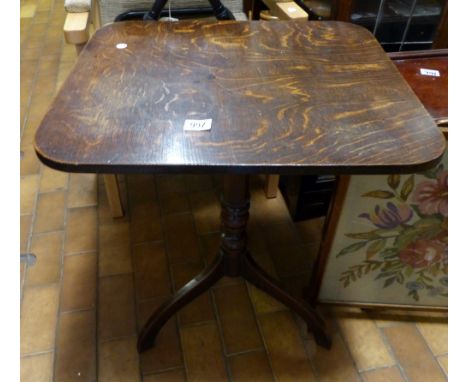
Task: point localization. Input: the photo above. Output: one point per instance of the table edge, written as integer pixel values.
(297, 169)
(58, 164)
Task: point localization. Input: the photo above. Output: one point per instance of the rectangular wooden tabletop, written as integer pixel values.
(283, 97)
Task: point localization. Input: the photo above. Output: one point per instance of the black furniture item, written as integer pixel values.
(307, 196)
(217, 8)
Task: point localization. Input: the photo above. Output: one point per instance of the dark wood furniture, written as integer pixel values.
(433, 93)
(308, 196)
(284, 97)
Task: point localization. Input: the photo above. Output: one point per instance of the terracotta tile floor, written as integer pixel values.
(96, 279)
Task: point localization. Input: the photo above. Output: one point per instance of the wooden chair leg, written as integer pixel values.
(271, 186)
(113, 195)
(76, 28)
(96, 14)
(285, 10)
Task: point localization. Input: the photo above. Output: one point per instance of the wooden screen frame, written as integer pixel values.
(318, 271)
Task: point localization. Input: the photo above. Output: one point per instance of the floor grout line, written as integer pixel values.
(346, 345)
(34, 354)
(136, 302)
(434, 357)
(162, 371)
(304, 344)
(61, 277)
(392, 352)
(260, 332)
(96, 280)
(253, 350)
(221, 334)
(31, 231)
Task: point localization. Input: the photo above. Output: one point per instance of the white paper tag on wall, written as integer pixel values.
(197, 124)
(430, 72)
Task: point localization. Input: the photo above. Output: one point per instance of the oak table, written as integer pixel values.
(286, 97)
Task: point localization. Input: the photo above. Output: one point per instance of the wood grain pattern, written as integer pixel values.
(432, 91)
(285, 97)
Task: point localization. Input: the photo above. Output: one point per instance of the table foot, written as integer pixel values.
(262, 280)
(233, 260)
(183, 296)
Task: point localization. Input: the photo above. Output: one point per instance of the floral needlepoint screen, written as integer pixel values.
(391, 241)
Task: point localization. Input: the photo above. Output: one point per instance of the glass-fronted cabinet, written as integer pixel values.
(399, 25)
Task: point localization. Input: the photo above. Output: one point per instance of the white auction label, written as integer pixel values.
(430, 72)
(197, 124)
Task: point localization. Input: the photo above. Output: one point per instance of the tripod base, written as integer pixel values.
(233, 260)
